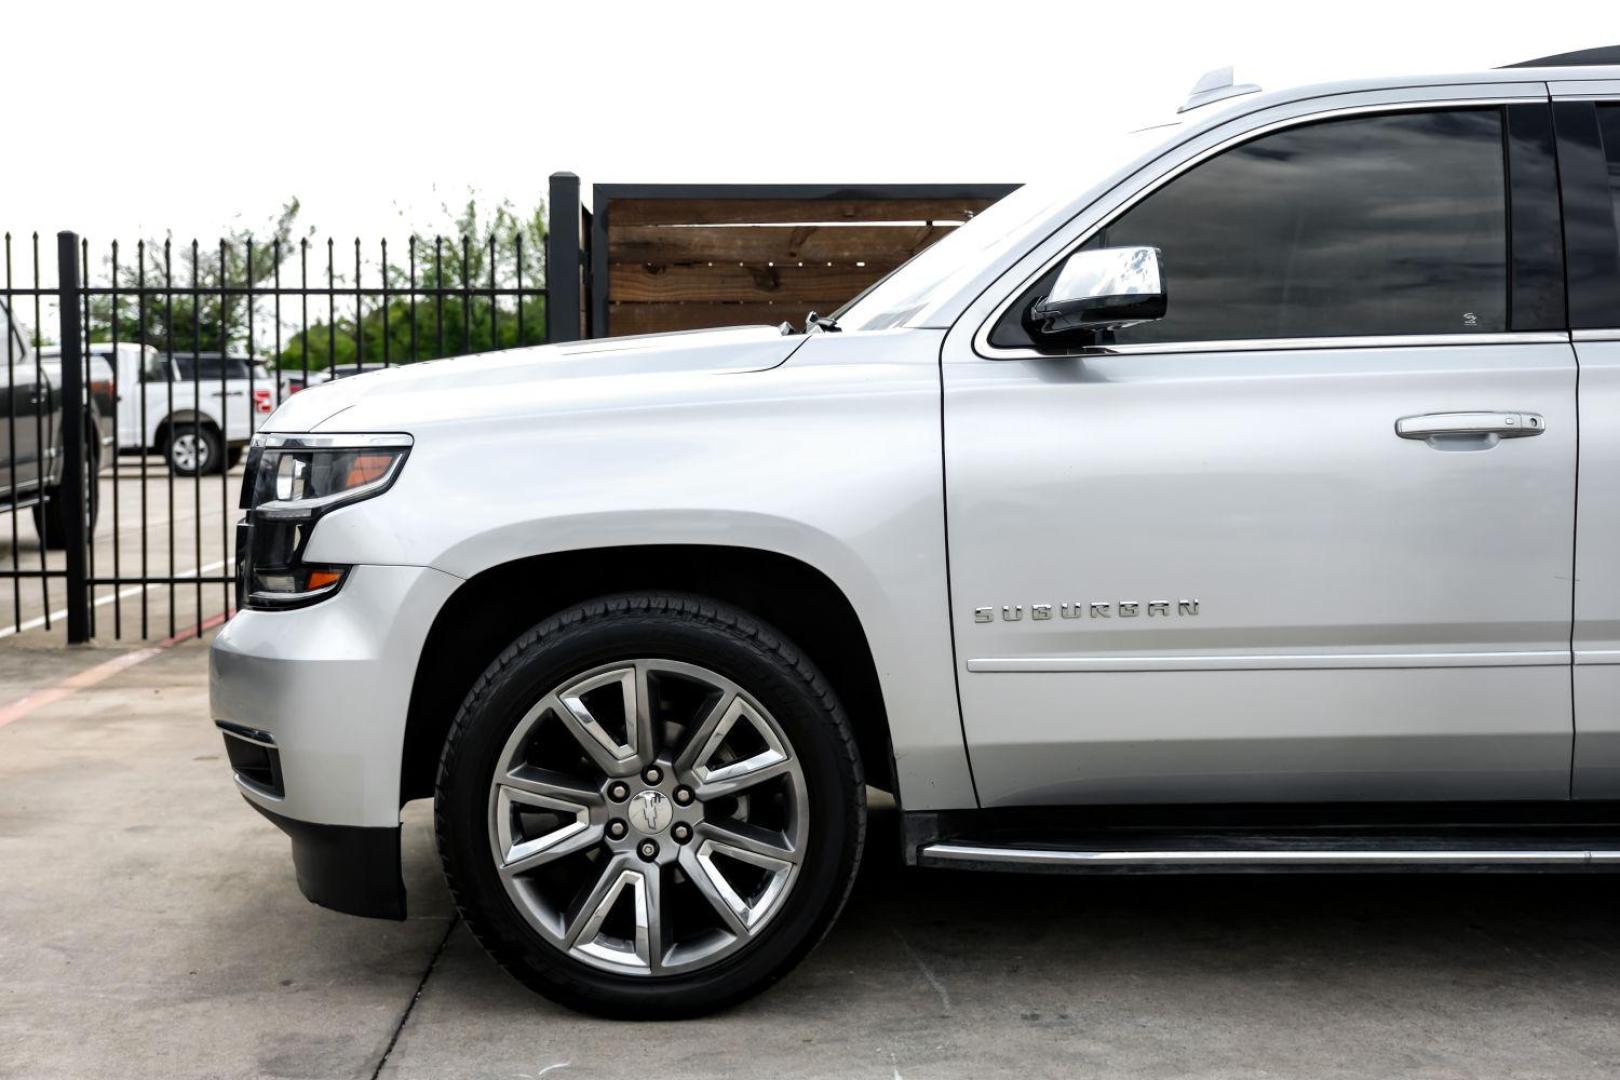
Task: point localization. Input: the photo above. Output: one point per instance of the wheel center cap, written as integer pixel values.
(651, 811)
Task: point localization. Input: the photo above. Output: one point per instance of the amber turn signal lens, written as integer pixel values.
(320, 579)
(367, 467)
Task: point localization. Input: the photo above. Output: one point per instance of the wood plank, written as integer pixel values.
(665, 244)
(776, 211)
(663, 318)
(629, 282)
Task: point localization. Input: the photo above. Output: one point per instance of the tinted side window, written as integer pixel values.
(1386, 224)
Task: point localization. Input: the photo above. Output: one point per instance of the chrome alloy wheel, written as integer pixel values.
(648, 817)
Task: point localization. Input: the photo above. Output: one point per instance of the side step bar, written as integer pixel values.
(1236, 859)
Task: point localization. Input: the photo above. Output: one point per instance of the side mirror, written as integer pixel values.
(1103, 289)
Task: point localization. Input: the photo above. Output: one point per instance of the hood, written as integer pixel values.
(517, 379)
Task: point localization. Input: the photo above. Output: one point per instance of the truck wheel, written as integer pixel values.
(650, 806)
(194, 451)
(50, 516)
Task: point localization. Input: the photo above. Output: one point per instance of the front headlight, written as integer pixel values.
(289, 483)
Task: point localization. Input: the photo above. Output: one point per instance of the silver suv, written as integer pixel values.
(1214, 510)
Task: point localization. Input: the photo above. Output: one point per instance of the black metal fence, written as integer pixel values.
(123, 438)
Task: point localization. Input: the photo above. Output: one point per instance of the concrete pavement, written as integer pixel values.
(150, 927)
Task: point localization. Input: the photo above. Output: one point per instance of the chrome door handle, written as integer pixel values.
(1505, 425)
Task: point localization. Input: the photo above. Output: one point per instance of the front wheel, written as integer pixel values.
(650, 807)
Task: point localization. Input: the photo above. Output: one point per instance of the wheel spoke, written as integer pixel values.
(650, 931)
(716, 890)
(639, 719)
(542, 787)
(738, 776)
(703, 741)
(587, 918)
(571, 838)
(606, 752)
(765, 848)
(645, 886)
(716, 781)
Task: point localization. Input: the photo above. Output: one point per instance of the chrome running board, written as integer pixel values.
(988, 856)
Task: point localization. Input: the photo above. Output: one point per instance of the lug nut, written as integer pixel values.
(683, 795)
(681, 832)
(616, 829)
(618, 791)
(653, 775)
(648, 850)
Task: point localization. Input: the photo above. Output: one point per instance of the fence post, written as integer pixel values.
(72, 493)
(562, 259)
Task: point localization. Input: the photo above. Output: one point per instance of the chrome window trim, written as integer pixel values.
(981, 337)
(1585, 89)
(1595, 335)
(1388, 341)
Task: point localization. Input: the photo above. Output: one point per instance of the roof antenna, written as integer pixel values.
(1216, 85)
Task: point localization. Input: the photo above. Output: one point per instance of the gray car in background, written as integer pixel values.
(31, 458)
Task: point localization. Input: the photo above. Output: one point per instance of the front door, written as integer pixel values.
(1212, 563)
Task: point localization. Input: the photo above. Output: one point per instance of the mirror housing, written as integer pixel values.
(1103, 289)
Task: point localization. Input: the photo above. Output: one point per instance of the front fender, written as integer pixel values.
(832, 459)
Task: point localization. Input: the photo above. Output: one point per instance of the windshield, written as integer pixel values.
(894, 299)
(929, 275)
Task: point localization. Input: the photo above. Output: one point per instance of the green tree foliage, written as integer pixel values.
(175, 318)
(420, 322)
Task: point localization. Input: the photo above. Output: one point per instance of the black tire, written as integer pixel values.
(50, 516)
(194, 450)
(233, 456)
(684, 629)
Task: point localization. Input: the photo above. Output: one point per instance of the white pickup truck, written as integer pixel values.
(197, 410)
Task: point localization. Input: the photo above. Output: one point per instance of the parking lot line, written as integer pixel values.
(38, 699)
(122, 594)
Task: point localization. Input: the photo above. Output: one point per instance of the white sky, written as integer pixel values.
(160, 115)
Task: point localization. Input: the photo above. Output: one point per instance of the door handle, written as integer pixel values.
(1504, 425)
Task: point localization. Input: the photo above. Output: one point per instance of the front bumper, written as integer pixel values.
(328, 687)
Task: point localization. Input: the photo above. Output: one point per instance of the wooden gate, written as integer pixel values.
(684, 257)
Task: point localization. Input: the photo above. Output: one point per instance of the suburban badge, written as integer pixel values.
(1095, 609)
